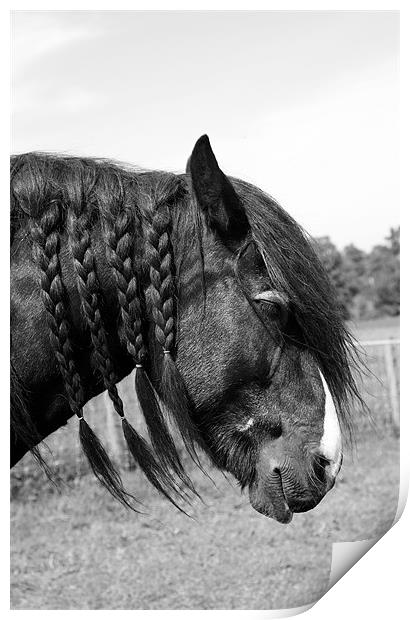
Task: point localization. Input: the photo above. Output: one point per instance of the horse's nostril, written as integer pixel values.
(323, 461)
(325, 469)
(320, 460)
(321, 467)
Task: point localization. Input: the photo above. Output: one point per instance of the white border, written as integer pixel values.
(377, 586)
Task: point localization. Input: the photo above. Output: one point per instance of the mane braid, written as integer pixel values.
(46, 245)
(159, 469)
(160, 304)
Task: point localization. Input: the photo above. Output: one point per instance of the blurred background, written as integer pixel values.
(304, 105)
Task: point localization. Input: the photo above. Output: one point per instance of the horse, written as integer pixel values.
(208, 289)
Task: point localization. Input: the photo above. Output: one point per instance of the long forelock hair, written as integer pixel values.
(54, 195)
(296, 271)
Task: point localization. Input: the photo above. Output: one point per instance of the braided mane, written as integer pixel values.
(53, 197)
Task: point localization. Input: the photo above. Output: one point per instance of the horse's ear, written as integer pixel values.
(216, 195)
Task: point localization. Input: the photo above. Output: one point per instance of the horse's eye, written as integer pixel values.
(275, 302)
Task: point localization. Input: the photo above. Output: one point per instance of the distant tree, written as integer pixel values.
(355, 267)
(394, 241)
(332, 261)
(367, 284)
(384, 271)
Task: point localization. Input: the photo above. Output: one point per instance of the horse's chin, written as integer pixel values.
(273, 505)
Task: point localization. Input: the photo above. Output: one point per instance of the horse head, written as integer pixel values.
(212, 292)
(254, 353)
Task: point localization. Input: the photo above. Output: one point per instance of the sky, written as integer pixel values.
(302, 104)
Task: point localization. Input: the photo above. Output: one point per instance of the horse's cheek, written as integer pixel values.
(201, 355)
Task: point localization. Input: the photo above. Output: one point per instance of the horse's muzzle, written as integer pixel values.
(283, 487)
(269, 499)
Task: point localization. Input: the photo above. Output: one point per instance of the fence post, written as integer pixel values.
(112, 426)
(392, 383)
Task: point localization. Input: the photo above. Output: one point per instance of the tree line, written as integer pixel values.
(367, 283)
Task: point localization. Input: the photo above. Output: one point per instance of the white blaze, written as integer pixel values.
(331, 442)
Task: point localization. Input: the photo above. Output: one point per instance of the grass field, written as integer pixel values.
(78, 549)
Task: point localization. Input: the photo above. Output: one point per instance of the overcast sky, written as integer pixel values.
(303, 104)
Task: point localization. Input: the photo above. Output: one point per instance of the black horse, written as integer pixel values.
(210, 290)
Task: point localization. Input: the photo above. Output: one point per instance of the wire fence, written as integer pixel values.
(380, 385)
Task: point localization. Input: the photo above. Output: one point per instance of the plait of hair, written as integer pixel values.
(89, 292)
(46, 245)
(45, 234)
(161, 308)
(88, 288)
(161, 467)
